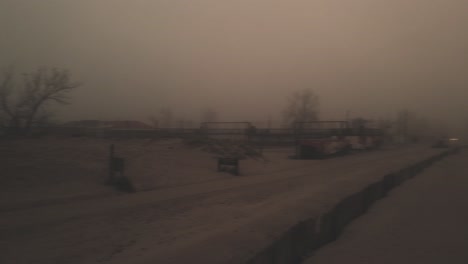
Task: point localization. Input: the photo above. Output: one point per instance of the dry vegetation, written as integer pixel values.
(51, 169)
(226, 148)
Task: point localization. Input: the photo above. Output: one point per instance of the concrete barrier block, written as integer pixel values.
(400, 177)
(348, 209)
(283, 250)
(388, 182)
(307, 236)
(327, 232)
(372, 193)
(264, 257)
(292, 247)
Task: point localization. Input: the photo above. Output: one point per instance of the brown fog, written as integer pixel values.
(244, 57)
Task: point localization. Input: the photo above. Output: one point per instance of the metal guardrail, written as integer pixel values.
(251, 133)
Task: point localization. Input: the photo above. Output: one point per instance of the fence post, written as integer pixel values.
(111, 169)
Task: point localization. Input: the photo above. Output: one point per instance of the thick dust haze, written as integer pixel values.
(244, 57)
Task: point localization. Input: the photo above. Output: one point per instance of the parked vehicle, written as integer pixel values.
(322, 147)
(446, 143)
(326, 138)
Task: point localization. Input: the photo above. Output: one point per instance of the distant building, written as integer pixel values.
(129, 124)
(125, 124)
(84, 123)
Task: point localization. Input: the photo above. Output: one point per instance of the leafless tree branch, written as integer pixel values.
(302, 107)
(39, 87)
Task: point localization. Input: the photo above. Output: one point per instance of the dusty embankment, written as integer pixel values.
(311, 233)
(225, 220)
(423, 221)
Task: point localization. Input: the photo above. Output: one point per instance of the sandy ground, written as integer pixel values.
(44, 171)
(56, 209)
(423, 221)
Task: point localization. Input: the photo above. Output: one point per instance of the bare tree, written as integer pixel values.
(164, 119)
(209, 115)
(24, 107)
(303, 106)
(385, 123)
(181, 123)
(402, 124)
(269, 122)
(358, 123)
(410, 127)
(154, 121)
(167, 117)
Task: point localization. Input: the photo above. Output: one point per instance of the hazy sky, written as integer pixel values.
(243, 57)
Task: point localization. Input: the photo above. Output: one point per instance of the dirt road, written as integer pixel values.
(218, 221)
(423, 221)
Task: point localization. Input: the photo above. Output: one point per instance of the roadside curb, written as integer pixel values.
(305, 237)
